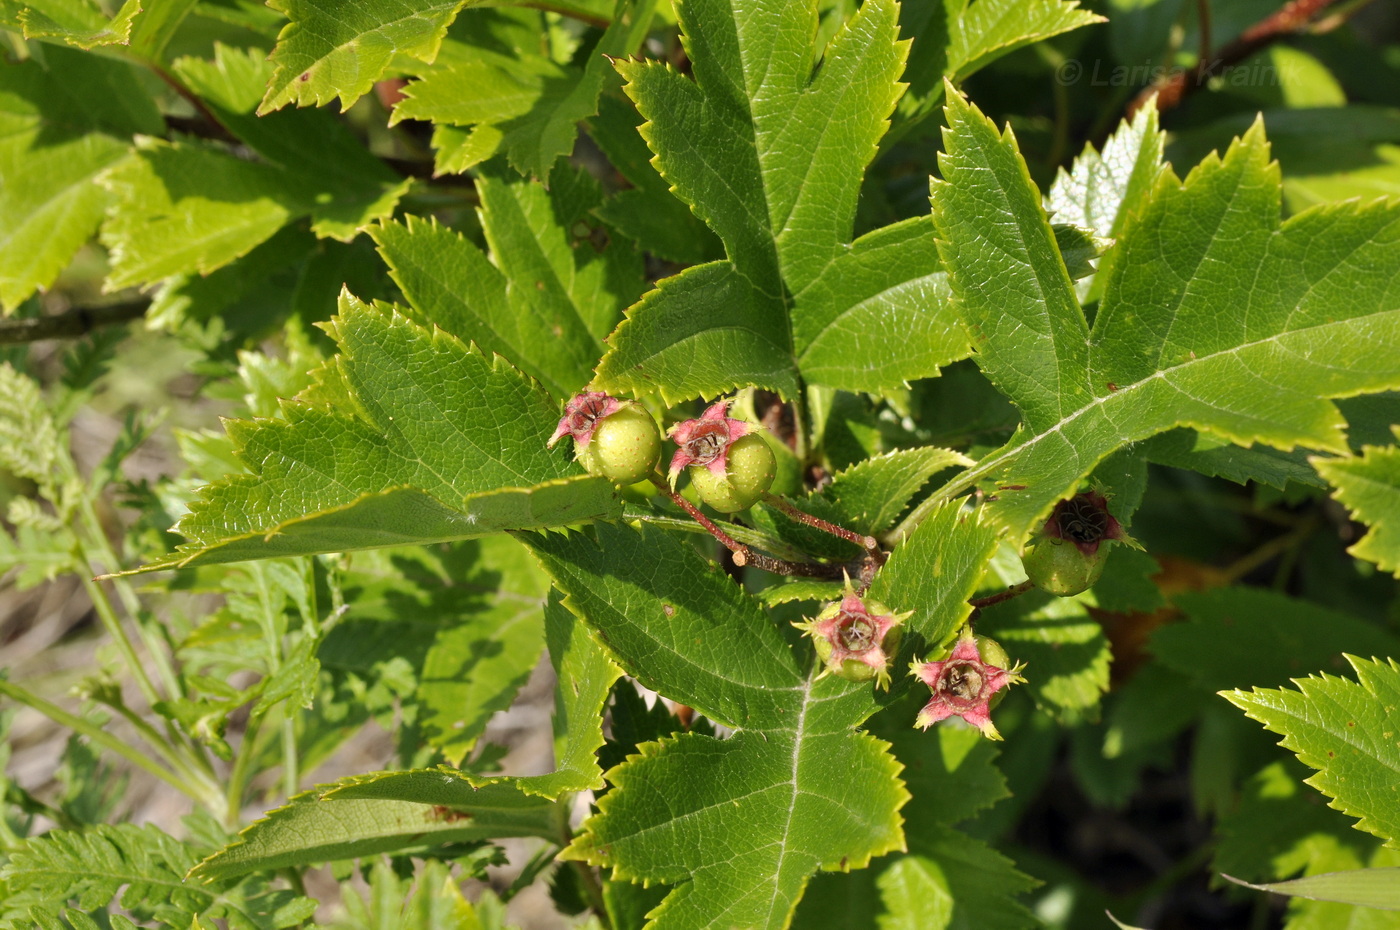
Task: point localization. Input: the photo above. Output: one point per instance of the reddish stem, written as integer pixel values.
(868, 543)
(1173, 87)
(743, 555)
(1016, 590)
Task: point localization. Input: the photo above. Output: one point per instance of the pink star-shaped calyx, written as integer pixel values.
(851, 630)
(706, 440)
(581, 416)
(963, 685)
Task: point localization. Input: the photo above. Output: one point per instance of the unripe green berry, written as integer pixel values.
(625, 446)
(992, 654)
(749, 470)
(1058, 567)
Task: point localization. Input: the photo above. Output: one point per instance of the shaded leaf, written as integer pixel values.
(1345, 730)
(1369, 486)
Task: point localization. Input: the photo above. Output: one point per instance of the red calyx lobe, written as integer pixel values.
(581, 416)
(706, 440)
(963, 686)
(853, 631)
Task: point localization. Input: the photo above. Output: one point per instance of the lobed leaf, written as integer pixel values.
(55, 139)
(78, 23)
(347, 187)
(191, 207)
(1369, 486)
(768, 148)
(544, 300)
(1233, 333)
(795, 789)
(1347, 731)
(331, 49)
(428, 440)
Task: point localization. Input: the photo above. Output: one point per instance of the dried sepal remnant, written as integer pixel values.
(1084, 520)
(966, 683)
(706, 440)
(616, 439)
(1067, 555)
(856, 639)
(581, 416)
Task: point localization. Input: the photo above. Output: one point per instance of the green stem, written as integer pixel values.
(290, 774)
(238, 777)
(113, 625)
(188, 782)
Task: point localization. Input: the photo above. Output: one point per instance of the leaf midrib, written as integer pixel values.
(1124, 392)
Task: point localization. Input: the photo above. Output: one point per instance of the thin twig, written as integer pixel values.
(1016, 590)
(1173, 87)
(71, 324)
(743, 555)
(868, 543)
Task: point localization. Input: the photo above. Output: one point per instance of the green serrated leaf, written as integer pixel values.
(775, 170)
(78, 23)
(1100, 189)
(545, 300)
(1347, 731)
(865, 498)
(1326, 153)
(989, 29)
(331, 49)
(56, 136)
(526, 104)
(190, 207)
(433, 441)
(793, 790)
(1238, 353)
(1369, 486)
(585, 676)
(935, 571)
(474, 668)
(369, 814)
(955, 39)
(347, 187)
(1010, 283)
(1377, 888)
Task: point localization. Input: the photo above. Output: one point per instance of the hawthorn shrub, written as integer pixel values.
(951, 410)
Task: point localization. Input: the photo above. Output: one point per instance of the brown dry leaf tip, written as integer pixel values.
(963, 686)
(706, 440)
(1085, 521)
(581, 416)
